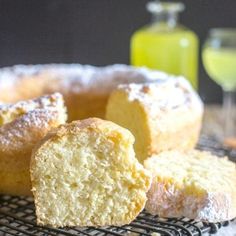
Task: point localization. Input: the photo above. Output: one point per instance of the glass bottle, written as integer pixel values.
(166, 45)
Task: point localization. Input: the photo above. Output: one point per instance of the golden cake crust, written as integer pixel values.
(22, 125)
(113, 183)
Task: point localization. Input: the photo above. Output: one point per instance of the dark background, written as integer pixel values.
(95, 31)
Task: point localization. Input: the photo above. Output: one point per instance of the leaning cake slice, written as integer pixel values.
(22, 125)
(194, 184)
(85, 174)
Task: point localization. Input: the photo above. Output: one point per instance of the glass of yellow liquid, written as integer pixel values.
(165, 44)
(219, 59)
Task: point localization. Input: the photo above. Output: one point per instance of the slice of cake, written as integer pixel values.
(162, 115)
(85, 174)
(194, 184)
(22, 125)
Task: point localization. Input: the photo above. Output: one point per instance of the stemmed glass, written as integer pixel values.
(219, 59)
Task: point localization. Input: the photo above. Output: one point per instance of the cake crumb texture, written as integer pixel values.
(162, 115)
(193, 184)
(85, 174)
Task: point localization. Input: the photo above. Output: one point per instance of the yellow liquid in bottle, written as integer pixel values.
(221, 66)
(174, 51)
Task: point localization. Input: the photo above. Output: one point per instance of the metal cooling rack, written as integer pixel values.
(17, 216)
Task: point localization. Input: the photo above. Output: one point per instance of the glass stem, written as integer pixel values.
(229, 113)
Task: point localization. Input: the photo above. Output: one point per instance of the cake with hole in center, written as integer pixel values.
(85, 88)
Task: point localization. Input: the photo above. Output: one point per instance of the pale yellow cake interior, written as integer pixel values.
(194, 184)
(88, 178)
(131, 115)
(161, 116)
(194, 170)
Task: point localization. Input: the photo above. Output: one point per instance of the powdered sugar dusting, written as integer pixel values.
(184, 185)
(9, 112)
(25, 120)
(163, 94)
(14, 134)
(76, 78)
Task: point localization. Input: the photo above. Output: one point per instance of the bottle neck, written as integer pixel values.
(166, 18)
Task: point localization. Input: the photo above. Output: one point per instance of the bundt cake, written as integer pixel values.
(85, 174)
(192, 184)
(22, 125)
(85, 88)
(162, 115)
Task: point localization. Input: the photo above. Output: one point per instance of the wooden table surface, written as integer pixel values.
(213, 122)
